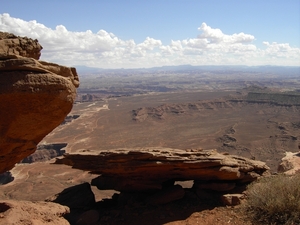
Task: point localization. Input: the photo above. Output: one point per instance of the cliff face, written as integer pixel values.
(35, 97)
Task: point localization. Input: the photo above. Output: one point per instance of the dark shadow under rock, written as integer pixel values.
(76, 197)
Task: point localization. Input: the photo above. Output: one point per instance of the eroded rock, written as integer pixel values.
(149, 169)
(290, 164)
(11, 44)
(232, 199)
(35, 97)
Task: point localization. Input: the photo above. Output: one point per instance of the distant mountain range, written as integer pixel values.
(291, 70)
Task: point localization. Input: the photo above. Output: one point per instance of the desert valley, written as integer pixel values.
(124, 124)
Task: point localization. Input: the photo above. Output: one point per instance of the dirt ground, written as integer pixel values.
(261, 131)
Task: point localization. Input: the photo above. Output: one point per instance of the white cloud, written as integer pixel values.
(104, 49)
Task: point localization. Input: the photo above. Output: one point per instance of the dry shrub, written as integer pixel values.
(274, 200)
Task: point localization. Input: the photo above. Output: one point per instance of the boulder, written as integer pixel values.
(232, 199)
(11, 44)
(35, 97)
(150, 169)
(290, 164)
(25, 212)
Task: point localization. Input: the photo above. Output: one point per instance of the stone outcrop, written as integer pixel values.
(290, 164)
(11, 44)
(35, 97)
(24, 212)
(156, 168)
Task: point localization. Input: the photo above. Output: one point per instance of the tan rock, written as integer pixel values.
(290, 164)
(232, 199)
(149, 169)
(24, 212)
(11, 44)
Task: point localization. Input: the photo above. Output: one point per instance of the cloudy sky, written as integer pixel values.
(137, 33)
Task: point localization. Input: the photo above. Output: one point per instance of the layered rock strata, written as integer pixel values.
(35, 97)
(46, 152)
(156, 168)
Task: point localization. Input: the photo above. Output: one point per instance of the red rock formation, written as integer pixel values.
(152, 169)
(35, 97)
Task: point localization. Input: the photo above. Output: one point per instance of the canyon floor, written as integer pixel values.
(186, 120)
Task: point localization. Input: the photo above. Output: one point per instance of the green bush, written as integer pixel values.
(274, 200)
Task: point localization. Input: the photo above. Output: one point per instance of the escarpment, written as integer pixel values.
(35, 97)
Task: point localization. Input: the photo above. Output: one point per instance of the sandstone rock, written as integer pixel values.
(11, 44)
(150, 169)
(75, 197)
(24, 212)
(290, 164)
(232, 199)
(35, 97)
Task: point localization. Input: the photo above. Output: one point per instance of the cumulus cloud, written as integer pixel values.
(104, 49)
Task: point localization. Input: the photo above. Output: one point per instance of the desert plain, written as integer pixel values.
(169, 109)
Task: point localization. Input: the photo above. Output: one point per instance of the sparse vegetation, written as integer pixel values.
(275, 200)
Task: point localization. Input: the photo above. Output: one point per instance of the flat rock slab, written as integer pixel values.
(152, 168)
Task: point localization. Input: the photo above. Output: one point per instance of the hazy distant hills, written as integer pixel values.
(288, 70)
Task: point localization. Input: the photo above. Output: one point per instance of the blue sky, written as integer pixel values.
(132, 33)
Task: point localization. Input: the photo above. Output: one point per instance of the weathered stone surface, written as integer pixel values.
(35, 97)
(24, 212)
(150, 169)
(290, 164)
(232, 199)
(11, 44)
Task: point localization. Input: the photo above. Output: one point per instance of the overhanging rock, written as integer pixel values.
(153, 168)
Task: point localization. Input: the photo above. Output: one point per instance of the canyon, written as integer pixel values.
(163, 152)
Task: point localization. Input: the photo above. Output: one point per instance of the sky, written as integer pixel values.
(142, 34)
